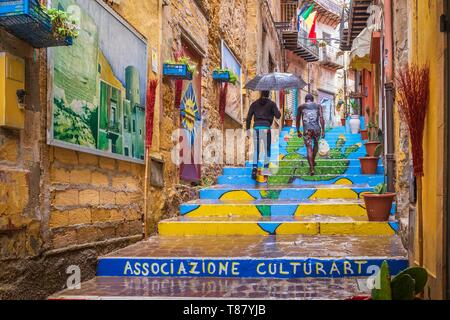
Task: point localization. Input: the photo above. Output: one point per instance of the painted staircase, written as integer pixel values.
(293, 237)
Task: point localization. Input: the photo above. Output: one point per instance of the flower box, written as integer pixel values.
(221, 76)
(27, 21)
(177, 71)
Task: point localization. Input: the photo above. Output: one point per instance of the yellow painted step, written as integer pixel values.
(274, 226)
(270, 208)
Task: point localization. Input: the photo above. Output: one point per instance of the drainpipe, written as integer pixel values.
(389, 95)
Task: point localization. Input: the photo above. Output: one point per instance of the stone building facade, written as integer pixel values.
(60, 207)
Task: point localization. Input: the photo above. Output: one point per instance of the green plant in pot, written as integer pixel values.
(232, 75)
(406, 286)
(62, 26)
(184, 60)
(379, 203)
(375, 134)
(288, 118)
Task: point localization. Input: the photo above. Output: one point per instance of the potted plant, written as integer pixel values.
(182, 68)
(62, 26)
(355, 122)
(365, 132)
(33, 23)
(225, 75)
(342, 112)
(288, 118)
(379, 203)
(375, 137)
(406, 286)
(369, 165)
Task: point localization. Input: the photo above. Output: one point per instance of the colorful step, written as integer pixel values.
(278, 257)
(317, 225)
(299, 170)
(288, 192)
(273, 208)
(295, 163)
(371, 180)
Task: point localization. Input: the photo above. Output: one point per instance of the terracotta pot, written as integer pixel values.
(369, 165)
(344, 122)
(288, 123)
(365, 135)
(371, 147)
(379, 206)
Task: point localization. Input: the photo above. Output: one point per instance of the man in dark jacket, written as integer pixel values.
(310, 115)
(263, 111)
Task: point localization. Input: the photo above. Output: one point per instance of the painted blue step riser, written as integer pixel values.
(372, 181)
(282, 212)
(286, 194)
(352, 162)
(246, 268)
(248, 171)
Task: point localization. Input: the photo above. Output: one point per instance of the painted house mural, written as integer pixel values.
(99, 85)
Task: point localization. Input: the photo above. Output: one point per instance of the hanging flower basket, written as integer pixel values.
(221, 76)
(225, 76)
(177, 71)
(27, 20)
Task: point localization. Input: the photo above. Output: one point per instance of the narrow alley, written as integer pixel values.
(224, 150)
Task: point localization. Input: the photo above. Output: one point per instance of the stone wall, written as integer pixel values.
(402, 143)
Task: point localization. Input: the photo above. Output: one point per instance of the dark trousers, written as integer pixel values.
(265, 136)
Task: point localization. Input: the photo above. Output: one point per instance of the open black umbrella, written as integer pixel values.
(275, 82)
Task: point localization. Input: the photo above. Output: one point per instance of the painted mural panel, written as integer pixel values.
(190, 116)
(99, 85)
(234, 98)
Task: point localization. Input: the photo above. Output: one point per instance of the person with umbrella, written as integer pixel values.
(262, 111)
(313, 128)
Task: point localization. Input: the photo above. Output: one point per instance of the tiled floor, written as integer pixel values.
(266, 246)
(215, 288)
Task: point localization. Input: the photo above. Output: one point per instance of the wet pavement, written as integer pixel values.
(216, 288)
(266, 247)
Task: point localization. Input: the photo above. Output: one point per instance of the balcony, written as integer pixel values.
(354, 20)
(330, 58)
(292, 39)
(328, 10)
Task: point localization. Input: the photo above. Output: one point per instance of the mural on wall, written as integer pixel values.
(190, 115)
(99, 85)
(234, 98)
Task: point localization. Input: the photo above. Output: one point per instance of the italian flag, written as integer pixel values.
(312, 32)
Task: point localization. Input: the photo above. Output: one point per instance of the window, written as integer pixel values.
(326, 37)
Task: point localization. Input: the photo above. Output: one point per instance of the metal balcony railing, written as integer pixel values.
(289, 11)
(307, 43)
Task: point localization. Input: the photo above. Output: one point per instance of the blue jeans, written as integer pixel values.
(264, 135)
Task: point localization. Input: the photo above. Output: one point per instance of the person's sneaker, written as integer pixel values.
(254, 173)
